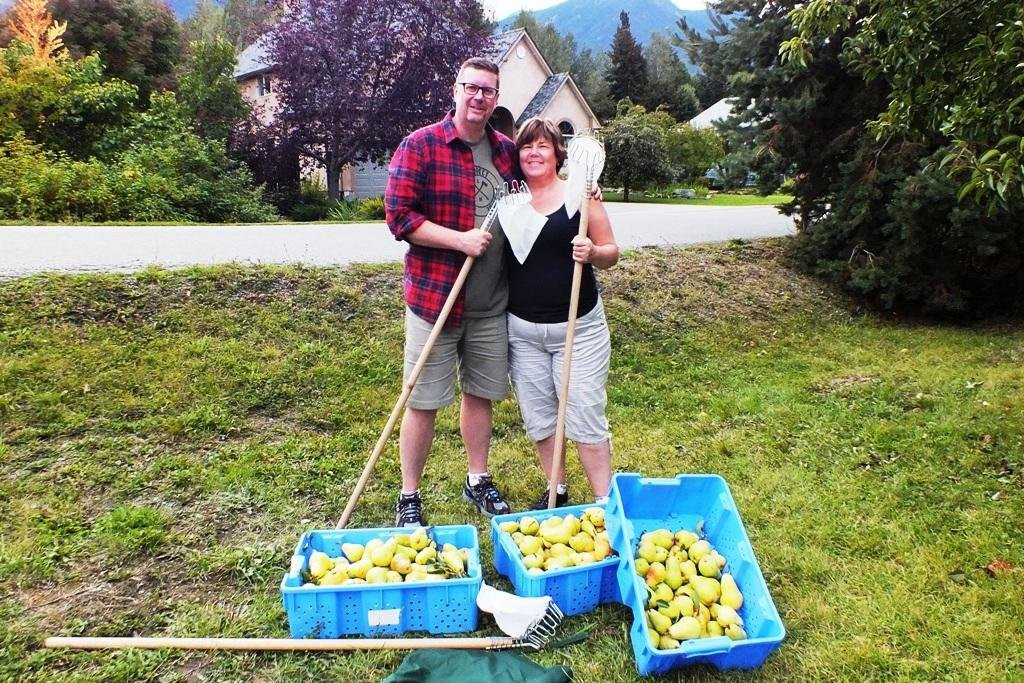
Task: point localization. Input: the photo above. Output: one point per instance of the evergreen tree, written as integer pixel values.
(668, 80)
(627, 69)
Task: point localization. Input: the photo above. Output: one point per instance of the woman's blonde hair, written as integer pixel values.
(536, 127)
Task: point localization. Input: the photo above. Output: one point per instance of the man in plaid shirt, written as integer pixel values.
(442, 181)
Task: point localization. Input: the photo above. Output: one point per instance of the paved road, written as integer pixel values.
(25, 250)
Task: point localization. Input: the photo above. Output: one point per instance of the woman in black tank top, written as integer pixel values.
(540, 276)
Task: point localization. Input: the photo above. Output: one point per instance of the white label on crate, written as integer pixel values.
(384, 617)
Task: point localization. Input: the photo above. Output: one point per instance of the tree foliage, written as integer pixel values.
(634, 143)
(77, 146)
(668, 81)
(692, 151)
(355, 77)
(950, 69)
(873, 213)
(208, 89)
(137, 40)
(30, 22)
(627, 68)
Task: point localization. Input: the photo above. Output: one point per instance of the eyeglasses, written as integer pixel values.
(472, 89)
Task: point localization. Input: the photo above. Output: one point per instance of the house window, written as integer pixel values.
(567, 128)
(263, 84)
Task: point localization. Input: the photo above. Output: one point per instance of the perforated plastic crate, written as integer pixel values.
(637, 505)
(383, 609)
(574, 589)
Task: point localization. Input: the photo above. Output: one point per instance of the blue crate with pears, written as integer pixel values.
(712, 607)
(383, 582)
(576, 579)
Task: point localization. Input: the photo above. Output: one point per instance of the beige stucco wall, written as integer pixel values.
(566, 106)
(521, 78)
(263, 105)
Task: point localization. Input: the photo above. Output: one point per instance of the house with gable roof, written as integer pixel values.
(528, 87)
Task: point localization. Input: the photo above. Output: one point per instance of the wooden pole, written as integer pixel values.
(570, 337)
(277, 644)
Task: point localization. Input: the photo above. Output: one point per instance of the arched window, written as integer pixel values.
(567, 128)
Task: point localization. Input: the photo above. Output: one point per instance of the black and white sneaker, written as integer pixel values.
(486, 497)
(561, 500)
(409, 511)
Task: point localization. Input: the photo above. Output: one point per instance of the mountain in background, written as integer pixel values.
(593, 22)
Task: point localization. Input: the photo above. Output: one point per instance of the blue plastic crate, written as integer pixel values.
(637, 505)
(574, 589)
(385, 609)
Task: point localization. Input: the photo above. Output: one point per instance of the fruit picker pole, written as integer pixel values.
(413, 376)
(557, 457)
(281, 644)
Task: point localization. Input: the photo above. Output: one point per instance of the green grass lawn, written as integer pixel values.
(165, 438)
(715, 200)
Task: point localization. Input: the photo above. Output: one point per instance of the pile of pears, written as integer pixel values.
(688, 595)
(402, 558)
(560, 542)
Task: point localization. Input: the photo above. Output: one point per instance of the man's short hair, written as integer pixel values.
(481, 63)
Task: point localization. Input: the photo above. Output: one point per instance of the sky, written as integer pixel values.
(503, 8)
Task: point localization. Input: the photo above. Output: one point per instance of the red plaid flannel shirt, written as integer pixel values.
(431, 177)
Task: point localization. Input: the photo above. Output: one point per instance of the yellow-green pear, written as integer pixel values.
(533, 560)
(359, 568)
(715, 629)
(689, 569)
(684, 603)
(698, 550)
(587, 527)
(708, 566)
(735, 632)
(686, 538)
(685, 629)
(559, 550)
(419, 539)
(376, 575)
(596, 515)
(401, 564)
(727, 616)
(655, 574)
(660, 554)
(661, 538)
(573, 523)
(319, 564)
(602, 548)
(582, 542)
(464, 554)
(509, 527)
(719, 559)
(708, 590)
(415, 576)
(449, 547)
(673, 572)
(381, 555)
(671, 610)
(530, 544)
(426, 555)
(353, 581)
(529, 525)
(557, 562)
(652, 634)
(731, 596)
(659, 593)
(647, 551)
(408, 551)
(552, 522)
(585, 558)
(403, 540)
(394, 577)
(353, 551)
(686, 589)
(373, 544)
(454, 564)
(642, 566)
(703, 616)
(335, 577)
(517, 536)
(659, 621)
(668, 643)
(560, 533)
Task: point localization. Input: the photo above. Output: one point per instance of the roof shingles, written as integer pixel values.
(543, 97)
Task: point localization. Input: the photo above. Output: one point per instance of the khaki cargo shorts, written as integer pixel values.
(478, 348)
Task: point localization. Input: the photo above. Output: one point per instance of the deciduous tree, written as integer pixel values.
(354, 77)
(634, 143)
